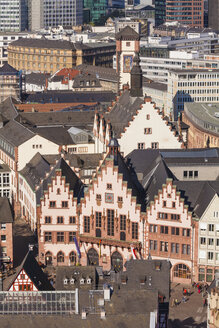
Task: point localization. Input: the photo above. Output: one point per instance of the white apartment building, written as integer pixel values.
(157, 69)
(191, 86)
(5, 40)
(208, 249)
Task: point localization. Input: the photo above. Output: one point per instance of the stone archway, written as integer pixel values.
(92, 257)
(117, 261)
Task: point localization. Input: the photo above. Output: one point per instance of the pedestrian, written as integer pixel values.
(199, 290)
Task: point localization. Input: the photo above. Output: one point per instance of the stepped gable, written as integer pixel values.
(155, 182)
(129, 176)
(35, 170)
(71, 178)
(34, 272)
(123, 111)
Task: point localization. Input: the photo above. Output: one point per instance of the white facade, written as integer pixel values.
(148, 130)
(208, 253)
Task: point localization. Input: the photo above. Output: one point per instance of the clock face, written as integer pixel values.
(109, 197)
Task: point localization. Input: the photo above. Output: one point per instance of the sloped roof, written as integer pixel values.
(37, 78)
(43, 43)
(7, 108)
(122, 112)
(127, 33)
(15, 133)
(7, 69)
(6, 212)
(34, 272)
(209, 190)
(35, 170)
(71, 178)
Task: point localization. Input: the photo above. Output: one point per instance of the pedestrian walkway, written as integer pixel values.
(191, 313)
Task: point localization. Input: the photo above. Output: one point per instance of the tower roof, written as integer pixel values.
(128, 34)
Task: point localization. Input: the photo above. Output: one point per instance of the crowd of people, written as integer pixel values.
(201, 289)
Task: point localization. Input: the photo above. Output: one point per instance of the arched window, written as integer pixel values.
(48, 258)
(117, 261)
(58, 191)
(92, 257)
(60, 257)
(72, 258)
(182, 271)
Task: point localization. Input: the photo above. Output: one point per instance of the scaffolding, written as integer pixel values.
(55, 302)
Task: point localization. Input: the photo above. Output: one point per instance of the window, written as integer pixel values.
(48, 237)
(190, 174)
(195, 174)
(217, 242)
(60, 237)
(203, 241)
(123, 222)
(154, 145)
(73, 258)
(86, 224)
(173, 248)
(58, 191)
(64, 204)
(120, 199)
(164, 203)
(110, 222)
(173, 204)
(182, 271)
(163, 246)
(60, 219)
(185, 174)
(164, 229)
(109, 186)
(211, 227)
(98, 197)
(134, 230)
(141, 145)
(52, 204)
(210, 256)
(47, 219)
(3, 237)
(128, 44)
(22, 276)
(162, 216)
(3, 226)
(60, 257)
(147, 130)
(153, 228)
(175, 217)
(71, 236)
(148, 117)
(98, 219)
(72, 220)
(153, 245)
(210, 241)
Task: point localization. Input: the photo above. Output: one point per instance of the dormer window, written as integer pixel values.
(65, 281)
(82, 281)
(109, 186)
(72, 281)
(89, 280)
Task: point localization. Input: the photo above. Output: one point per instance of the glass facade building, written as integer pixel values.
(98, 9)
(13, 15)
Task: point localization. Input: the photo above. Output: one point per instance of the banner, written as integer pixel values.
(77, 247)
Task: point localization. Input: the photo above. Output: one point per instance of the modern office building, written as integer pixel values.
(54, 13)
(189, 13)
(98, 9)
(13, 15)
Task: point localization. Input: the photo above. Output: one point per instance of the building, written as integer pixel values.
(208, 236)
(6, 232)
(160, 12)
(54, 13)
(192, 15)
(13, 16)
(11, 82)
(28, 277)
(5, 39)
(199, 86)
(97, 10)
(42, 55)
(213, 9)
(203, 124)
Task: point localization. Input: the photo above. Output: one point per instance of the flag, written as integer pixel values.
(77, 247)
(133, 253)
(99, 248)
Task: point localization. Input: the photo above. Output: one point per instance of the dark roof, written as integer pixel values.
(57, 134)
(7, 69)
(71, 178)
(36, 78)
(43, 43)
(155, 85)
(127, 33)
(86, 77)
(209, 190)
(155, 272)
(35, 170)
(76, 272)
(123, 111)
(34, 272)
(103, 73)
(15, 133)
(7, 108)
(6, 212)
(70, 97)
